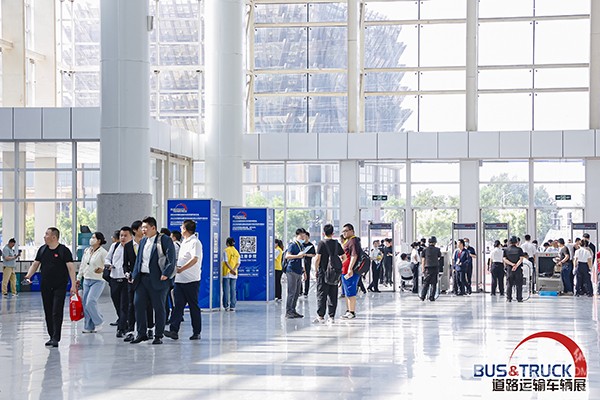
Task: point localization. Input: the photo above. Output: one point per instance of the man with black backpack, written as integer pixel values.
(329, 272)
(350, 276)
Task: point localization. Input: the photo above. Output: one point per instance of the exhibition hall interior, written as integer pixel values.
(468, 126)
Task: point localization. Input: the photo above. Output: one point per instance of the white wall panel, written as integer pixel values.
(6, 123)
(176, 140)
(333, 146)
(453, 145)
(85, 123)
(273, 147)
(303, 146)
(362, 146)
(392, 145)
(422, 145)
(484, 145)
(199, 146)
(28, 123)
(250, 147)
(56, 123)
(515, 144)
(546, 144)
(579, 143)
(163, 135)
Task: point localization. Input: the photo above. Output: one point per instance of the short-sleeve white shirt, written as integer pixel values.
(190, 248)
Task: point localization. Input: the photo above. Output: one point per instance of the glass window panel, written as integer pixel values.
(562, 41)
(391, 10)
(182, 103)
(88, 184)
(199, 172)
(279, 13)
(505, 112)
(315, 220)
(506, 43)
(87, 80)
(545, 194)
(264, 173)
(199, 191)
(391, 113)
(313, 195)
(336, 82)
(505, 8)
(178, 80)
(442, 9)
(313, 173)
(443, 80)
(389, 46)
(434, 172)
(87, 54)
(374, 173)
(440, 113)
(179, 54)
(280, 83)
(437, 195)
(556, 223)
(48, 184)
(559, 171)
(87, 215)
(561, 7)
(443, 45)
(280, 114)
(39, 216)
(505, 79)
(504, 171)
(88, 154)
(436, 223)
(391, 81)
(276, 48)
(506, 194)
(328, 47)
(555, 111)
(47, 154)
(263, 195)
(396, 195)
(328, 12)
(562, 77)
(328, 114)
(7, 152)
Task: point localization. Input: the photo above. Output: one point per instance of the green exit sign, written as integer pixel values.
(379, 197)
(562, 197)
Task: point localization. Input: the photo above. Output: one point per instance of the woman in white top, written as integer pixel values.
(583, 262)
(90, 269)
(497, 268)
(415, 260)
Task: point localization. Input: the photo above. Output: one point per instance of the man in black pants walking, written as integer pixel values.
(513, 259)
(328, 250)
(431, 265)
(376, 257)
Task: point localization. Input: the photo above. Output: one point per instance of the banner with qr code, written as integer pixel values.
(253, 230)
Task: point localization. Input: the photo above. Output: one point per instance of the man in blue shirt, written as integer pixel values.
(295, 274)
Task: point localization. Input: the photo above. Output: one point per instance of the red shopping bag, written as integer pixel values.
(76, 308)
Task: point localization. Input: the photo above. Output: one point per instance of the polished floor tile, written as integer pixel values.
(397, 348)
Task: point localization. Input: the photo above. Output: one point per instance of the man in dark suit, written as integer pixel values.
(130, 254)
(152, 274)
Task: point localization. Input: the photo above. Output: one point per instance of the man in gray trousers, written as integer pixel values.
(295, 273)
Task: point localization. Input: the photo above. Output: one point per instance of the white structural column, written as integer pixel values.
(349, 195)
(44, 186)
(225, 99)
(592, 191)
(13, 60)
(469, 207)
(471, 70)
(353, 65)
(124, 136)
(594, 67)
(13, 222)
(44, 43)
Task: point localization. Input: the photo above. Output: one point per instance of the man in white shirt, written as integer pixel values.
(119, 288)
(187, 282)
(530, 249)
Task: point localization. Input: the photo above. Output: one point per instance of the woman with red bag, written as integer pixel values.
(91, 268)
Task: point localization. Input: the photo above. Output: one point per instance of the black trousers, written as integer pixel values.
(468, 275)
(131, 311)
(278, 275)
(498, 277)
(459, 282)
(327, 296)
(146, 294)
(515, 278)
(360, 285)
(119, 293)
(53, 300)
(430, 278)
(306, 283)
(415, 281)
(375, 268)
(186, 293)
(387, 272)
(584, 280)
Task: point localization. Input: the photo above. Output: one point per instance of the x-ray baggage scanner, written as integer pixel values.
(489, 227)
(384, 230)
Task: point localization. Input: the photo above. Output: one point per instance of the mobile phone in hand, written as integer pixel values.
(26, 282)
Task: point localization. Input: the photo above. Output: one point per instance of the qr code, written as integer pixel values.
(247, 244)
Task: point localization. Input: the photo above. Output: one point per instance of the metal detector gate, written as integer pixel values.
(383, 226)
(465, 227)
(589, 227)
(492, 226)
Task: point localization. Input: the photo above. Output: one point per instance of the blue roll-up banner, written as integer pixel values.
(253, 230)
(207, 215)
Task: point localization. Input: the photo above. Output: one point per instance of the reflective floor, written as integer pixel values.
(397, 348)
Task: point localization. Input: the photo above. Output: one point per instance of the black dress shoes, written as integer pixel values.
(172, 335)
(195, 337)
(157, 340)
(129, 337)
(51, 343)
(139, 339)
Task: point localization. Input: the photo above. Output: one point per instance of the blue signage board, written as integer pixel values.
(253, 230)
(207, 215)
